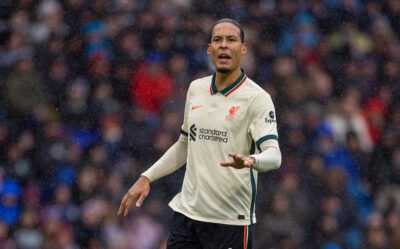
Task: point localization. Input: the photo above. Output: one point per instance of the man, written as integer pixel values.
(228, 121)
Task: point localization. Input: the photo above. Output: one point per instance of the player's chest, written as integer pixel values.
(218, 111)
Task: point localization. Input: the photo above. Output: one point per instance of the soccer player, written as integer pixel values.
(228, 135)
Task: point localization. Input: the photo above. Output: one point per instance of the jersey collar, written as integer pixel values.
(229, 89)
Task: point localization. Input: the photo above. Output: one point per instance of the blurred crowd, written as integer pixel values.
(93, 91)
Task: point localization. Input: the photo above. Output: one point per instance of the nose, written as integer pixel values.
(224, 43)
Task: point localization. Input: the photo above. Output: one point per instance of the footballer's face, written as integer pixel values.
(226, 48)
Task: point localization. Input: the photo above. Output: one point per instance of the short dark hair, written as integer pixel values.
(230, 21)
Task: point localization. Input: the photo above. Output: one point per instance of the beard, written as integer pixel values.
(223, 70)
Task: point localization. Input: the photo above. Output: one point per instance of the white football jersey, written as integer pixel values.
(236, 119)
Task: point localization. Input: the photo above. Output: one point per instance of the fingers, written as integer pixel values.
(227, 164)
(239, 161)
(236, 163)
(141, 199)
(128, 205)
(233, 155)
(125, 204)
(140, 189)
(122, 206)
(237, 157)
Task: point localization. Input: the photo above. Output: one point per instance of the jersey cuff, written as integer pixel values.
(184, 132)
(264, 138)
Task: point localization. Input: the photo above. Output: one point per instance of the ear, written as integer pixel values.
(208, 49)
(244, 48)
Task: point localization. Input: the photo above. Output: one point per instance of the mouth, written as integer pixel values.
(224, 58)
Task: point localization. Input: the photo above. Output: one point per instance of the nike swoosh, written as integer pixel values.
(196, 106)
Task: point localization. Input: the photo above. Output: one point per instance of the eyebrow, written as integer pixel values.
(228, 36)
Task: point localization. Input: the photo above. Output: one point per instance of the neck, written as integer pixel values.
(223, 80)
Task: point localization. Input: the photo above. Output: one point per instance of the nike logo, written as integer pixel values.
(195, 106)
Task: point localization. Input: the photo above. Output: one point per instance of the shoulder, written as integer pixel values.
(255, 90)
(201, 83)
(259, 98)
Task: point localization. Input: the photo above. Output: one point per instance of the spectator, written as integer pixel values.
(26, 236)
(279, 225)
(151, 85)
(6, 241)
(9, 205)
(24, 90)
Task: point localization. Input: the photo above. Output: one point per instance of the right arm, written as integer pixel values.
(172, 160)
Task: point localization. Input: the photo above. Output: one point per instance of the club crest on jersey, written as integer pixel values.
(232, 112)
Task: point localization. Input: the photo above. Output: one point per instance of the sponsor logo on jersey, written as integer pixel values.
(232, 112)
(271, 114)
(208, 134)
(271, 118)
(193, 130)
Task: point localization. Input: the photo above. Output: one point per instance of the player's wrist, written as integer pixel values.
(253, 160)
(145, 178)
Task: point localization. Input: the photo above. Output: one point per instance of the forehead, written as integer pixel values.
(225, 29)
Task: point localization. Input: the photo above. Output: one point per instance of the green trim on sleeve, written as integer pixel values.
(184, 132)
(264, 138)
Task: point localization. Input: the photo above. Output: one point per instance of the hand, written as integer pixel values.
(140, 190)
(239, 161)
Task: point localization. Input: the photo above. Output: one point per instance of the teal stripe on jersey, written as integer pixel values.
(253, 195)
(184, 132)
(253, 185)
(264, 138)
(253, 148)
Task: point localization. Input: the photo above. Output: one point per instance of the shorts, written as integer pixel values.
(186, 233)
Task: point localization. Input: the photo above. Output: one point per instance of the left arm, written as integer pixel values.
(264, 131)
(269, 159)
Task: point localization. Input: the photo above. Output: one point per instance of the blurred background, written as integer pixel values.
(92, 93)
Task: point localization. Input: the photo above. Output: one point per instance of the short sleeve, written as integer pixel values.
(263, 124)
